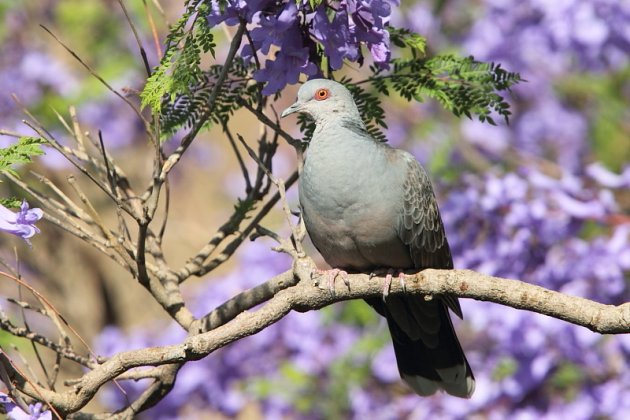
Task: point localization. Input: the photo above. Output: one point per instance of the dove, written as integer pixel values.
(367, 207)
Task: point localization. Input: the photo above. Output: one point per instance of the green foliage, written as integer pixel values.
(187, 108)
(604, 98)
(567, 379)
(404, 38)
(370, 108)
(20, 152)
(349, 370)
(353, 312)
(462, 85)
(567, 375)
(306, 125)
(11, 203)
(179, 69)
(312, 3)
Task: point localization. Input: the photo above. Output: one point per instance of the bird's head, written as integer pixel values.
(323, 100)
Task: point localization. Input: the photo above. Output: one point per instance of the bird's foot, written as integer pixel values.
(331, 276)
(388, 279)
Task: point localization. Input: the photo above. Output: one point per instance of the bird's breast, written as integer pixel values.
(350, 218)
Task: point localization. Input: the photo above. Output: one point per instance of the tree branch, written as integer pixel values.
(304, 296)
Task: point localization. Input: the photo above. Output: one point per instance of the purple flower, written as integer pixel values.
(339, 28)
(335, 37)
(22, 223)
(606, 178)
(285, 69)
(14, 412)
(235, 11)
(273, 30)
(370, 17)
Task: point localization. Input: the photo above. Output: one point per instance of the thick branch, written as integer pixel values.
(305, 296)
(597, 317)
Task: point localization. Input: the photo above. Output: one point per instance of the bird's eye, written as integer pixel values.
(322, 94)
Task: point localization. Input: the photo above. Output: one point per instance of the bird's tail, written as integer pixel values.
(427, 350)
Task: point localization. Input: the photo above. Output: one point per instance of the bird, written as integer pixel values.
(368, 206)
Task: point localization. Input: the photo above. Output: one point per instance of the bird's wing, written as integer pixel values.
(420, 225)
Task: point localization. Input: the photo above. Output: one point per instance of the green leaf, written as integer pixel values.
(312, 3)
(11, 203)
(405, 38)
(20, 152)
(461, 85)
(183, 110)
(179, 68)
(567, 375)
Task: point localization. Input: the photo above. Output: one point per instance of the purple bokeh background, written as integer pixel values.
(536, 205)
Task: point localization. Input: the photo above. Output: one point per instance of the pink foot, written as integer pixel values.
(388, 280)
(331, 276)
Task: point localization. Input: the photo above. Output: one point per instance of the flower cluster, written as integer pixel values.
(287, 32)
(594, 32)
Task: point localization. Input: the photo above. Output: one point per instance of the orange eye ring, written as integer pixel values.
(322, 94)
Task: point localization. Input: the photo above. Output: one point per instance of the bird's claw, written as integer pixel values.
(403, 284)
(331, 276)
(388, 282)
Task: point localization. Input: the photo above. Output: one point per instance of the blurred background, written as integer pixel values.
(544, 199)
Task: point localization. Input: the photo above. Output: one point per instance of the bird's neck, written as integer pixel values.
(341, 137)
(334, 124)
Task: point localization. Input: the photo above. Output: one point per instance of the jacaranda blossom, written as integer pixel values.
(294, 28)
(14, 412)
(22, 223)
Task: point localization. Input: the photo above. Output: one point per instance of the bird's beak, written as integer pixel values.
(290, 110)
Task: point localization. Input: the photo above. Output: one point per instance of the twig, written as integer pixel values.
(275, 127)
(38, 356)
(26, 305)
(143, 53)
(11, 390)
(162, 385)
(11, 368)
(45, 302)
(245, 301)
(197, 267)
(27, 364)
(147, 126)
(298, 234)
(10, 133)
(156, 38)
(66, 152)
(239, 158)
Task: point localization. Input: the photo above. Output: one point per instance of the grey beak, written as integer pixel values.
(290, 110)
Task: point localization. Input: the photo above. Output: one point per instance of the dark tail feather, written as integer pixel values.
(428, 352)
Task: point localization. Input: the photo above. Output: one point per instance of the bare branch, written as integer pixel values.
(197, 265)
(246, 300)
(147, 126)
(143, 53)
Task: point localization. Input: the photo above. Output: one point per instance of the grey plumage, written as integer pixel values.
(368, 206)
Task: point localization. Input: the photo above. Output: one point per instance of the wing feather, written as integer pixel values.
(421, 227)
